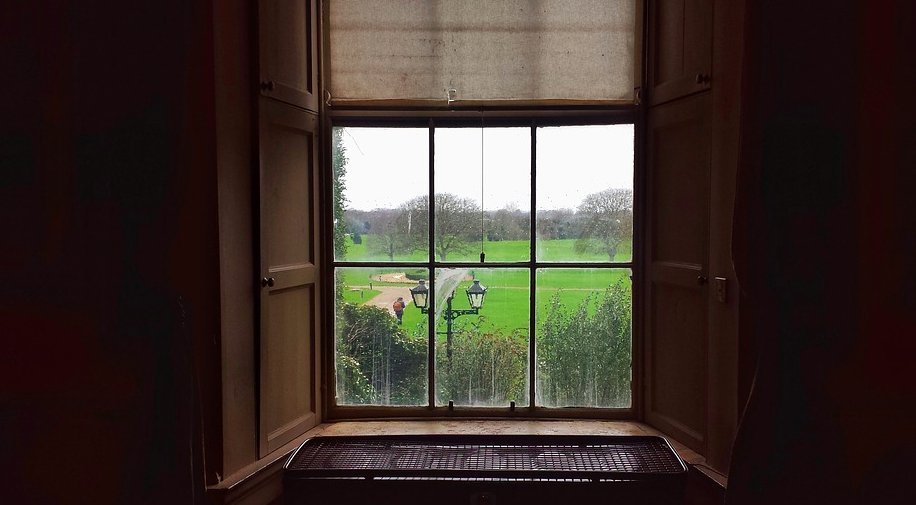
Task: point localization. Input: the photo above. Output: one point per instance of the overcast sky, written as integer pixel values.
(388, 166)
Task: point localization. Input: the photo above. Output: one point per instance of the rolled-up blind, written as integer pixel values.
(482, 49)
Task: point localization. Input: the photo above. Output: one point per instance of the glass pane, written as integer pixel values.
(585, 193)
(482, 359)
(503, 228)
(381, 345)
(583, 337)
(380, 188)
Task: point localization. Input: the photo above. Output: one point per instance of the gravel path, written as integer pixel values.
(387, 295)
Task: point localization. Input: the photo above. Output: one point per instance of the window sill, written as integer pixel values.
(261, 481)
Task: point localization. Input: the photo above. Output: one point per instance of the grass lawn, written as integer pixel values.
(507, 302)
(351, 295)
(362, 276)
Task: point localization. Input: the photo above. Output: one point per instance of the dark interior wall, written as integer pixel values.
(825, 241)
(232, 20)
(109, 253)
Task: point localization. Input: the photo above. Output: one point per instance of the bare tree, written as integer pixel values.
(556, 224)
(413, 222)
(606, 220)
(457, 223)
(402, 230)
(508, 223)
(386, 237)
(406, 229)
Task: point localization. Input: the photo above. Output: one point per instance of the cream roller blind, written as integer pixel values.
(483, 49)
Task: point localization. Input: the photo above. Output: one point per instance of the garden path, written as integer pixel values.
(387, 295)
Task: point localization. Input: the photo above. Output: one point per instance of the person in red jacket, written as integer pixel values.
(398, 307)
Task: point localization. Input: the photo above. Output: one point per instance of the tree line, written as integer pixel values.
(602, 222)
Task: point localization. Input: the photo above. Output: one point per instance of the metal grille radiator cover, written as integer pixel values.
(484, 469)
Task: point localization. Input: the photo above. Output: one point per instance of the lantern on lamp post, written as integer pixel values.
(476, 294)
(420, 295)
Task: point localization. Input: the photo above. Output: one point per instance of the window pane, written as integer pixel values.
(583, 337)
(503, 229)
(483, 360)
(585, 193)
(381, 348)
(380, 188)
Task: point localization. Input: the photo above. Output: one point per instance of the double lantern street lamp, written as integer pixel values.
(476, 294)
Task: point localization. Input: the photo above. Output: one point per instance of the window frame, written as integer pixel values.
(493, 116)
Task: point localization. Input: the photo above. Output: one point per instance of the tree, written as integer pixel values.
(413, 222)
(400, 231)
(338, 203)
(606, 220)
(488, 367)
(356, 222)
(457, 223)
(377, 361)
(556, 224)
(386, 237)
(584, 352)
(508, 223)
(339, 199)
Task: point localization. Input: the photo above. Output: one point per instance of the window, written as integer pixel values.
(538, 212)
(481, 146)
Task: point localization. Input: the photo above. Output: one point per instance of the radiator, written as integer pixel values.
(484, 470)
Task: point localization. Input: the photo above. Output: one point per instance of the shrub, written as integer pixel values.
(417, 274)
(584, 355)
(377, 362)
(488, 367)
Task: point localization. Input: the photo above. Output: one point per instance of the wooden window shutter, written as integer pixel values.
(289, 263)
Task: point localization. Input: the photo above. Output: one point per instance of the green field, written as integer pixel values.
(507, 302)
(359, 295)
(506, 250)
(490, 349)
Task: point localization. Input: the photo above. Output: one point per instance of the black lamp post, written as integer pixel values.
(476, 293)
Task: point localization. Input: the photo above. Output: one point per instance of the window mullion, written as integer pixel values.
(532, 301)
(431, 269)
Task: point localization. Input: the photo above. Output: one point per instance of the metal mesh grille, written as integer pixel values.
(499, 456)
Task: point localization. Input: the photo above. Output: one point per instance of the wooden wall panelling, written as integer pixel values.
(289, 280)
(235, 121)
(289, 51)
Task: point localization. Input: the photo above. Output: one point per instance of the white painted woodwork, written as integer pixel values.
(678, 169)
(288, 255)
(289, 51)
(680, 48)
